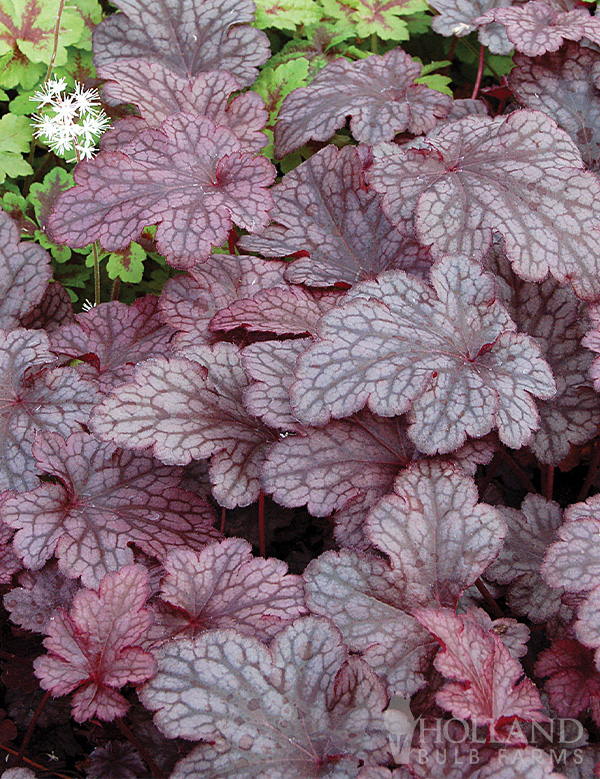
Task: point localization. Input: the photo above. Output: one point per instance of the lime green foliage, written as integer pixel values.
(15, 138)
(435, 80)
(376, 17)
(287, 14)
(27, 38)
(42, 197)
(320, 45)
(127, 265)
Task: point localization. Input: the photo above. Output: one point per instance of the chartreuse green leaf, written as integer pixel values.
(376, 17)
(287, 14)
(15, 137)
(127, 265)
(42, 197)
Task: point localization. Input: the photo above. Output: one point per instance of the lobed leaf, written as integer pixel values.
(191, 177)
(457, 17)
(158, 92)
(94, 649)
(323, 208)
(185, 36)
(24, 274)
(113, 338)
(99, 502)
(187, 408)
(224, 586)
(41, 592)
(379, 93)
(55, 309)
(573, 560)
(277, 712)
(520, 176)
(450, 353)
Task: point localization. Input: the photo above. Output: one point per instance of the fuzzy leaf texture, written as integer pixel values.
(279, 712)
(450, 353)
(486, 689)
(520, 176)
(103, 500)
(94, 649)
(192, 177)
(158, 92)
(24, 274)
(323, 208)
(185, 36)
(188, 408)
(379, 93)
(34, 397)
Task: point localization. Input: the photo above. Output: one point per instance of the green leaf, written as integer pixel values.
(436, 81)
(15, 137)
(432, 66)
(287, 14)
(376, 17)
(42, 196)
(273, 84)
(61, 254)
(127, 265)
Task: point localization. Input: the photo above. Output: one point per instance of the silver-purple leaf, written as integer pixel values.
(537, 28)
(100, 501)
(457, 17)
(190, 407)
(224, 586)
(34, 397)
(449, 353)
(530, 531)
(379, 94)
(573, 560)
(189, 302)
(114, 337)
(158, 92)
(520, 176)
(39, 593)
(271, 365)
(323, 208)
(186, 36)
(278, 712)
(192, 177)
(54, 310)
(24, 274)
(559, 84)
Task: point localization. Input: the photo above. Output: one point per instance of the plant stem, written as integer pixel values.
(487, 479)
(61, 8)
(232, 240)
(223, 516)
(116, 289)
(547, 474)
(137, 745)
(374, 43)
(261, 525)
(479, 72)
(473, 50)
(517, 470)
(595, 461)
(96, 273)
(30, 729)
(35, 765)
(489, 599)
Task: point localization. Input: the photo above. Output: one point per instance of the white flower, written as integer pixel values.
(49, 92)
(85, 99)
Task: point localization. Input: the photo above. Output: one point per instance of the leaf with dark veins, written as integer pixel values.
(324, 208)
(190, 407)
(34, 398)
(118, 336)
(379, 94)
(54, 310)
(450, 353)
(192, 177)
(186, 36)
(520, 176)
(24, 274)
(102, 500)
(158, 92)
(457, 18)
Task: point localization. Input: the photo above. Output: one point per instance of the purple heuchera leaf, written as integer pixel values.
(114, 337)
(592, 342)
(323, 208)
(449, 353)
(9, 562)
(224, 586)
(35, 398)
(41, 592)
(186, 36)
(54, 310)
(158, 92)
(536, 28)
(557, 319)
(101, 501)
(559, 84)
(280, 310)
(518, 175)
(457, 17)
(189, 302)
(379, 94)
(530, 532)
(115, 761)
(486, 689)
(275, 712)
(192, 177)
(187, 408)
(94, 649)
(24, 274)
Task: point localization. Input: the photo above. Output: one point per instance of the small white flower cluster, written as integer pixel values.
(69, 122)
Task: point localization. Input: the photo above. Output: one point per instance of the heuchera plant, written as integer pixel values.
(300, 389)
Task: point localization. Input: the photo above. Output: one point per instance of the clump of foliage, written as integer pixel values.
(299, 389)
